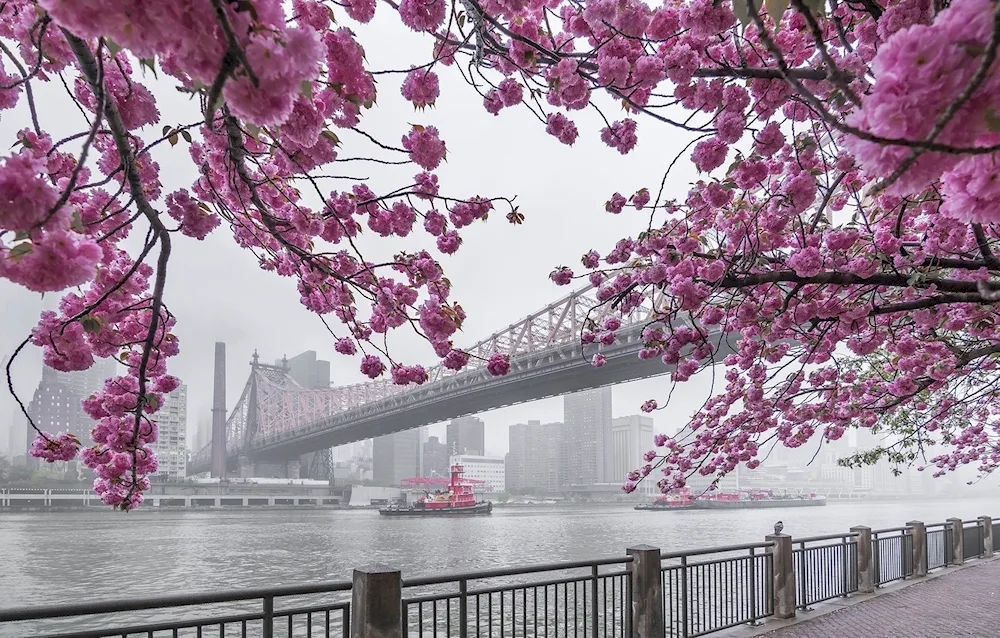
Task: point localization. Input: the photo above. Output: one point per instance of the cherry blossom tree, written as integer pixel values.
(845, 254)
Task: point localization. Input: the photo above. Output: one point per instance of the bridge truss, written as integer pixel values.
(273, 404)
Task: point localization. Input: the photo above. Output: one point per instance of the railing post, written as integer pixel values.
(268, 619)
(987, 523)
(783, 583)
(377, 603)
(957, 541)
(866, 566)
(647, 591)
(919, 547)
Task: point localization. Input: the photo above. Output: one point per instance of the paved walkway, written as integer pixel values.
(963, 603)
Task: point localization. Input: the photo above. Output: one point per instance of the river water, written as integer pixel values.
(100, 555)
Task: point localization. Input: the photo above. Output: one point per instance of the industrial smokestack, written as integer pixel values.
(219, 413)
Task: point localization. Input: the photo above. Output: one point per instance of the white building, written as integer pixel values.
(631, 437)
(171, 447)
(489, 469)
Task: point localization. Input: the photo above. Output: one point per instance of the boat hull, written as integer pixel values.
(736, 505)
(479, 509)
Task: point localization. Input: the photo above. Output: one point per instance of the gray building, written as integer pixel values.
(466, 435)
(396, 457)
(533, 462)
(588, 456)
(436, 456)
(631, 437)
(313, 374)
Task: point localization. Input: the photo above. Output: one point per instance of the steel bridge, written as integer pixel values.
(276, 420)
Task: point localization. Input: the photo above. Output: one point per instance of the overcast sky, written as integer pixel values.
(500, 275)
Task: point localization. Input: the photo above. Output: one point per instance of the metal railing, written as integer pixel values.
(825, 571)
(705, 591)
(972, 539)
(246, 613)
(892, 554)
(939, 546)
(590, 598)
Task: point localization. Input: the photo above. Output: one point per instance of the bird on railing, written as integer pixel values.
(778, 527)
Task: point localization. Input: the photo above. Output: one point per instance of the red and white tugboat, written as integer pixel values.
(458, 500)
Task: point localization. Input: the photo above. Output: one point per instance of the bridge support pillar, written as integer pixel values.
(246, 468)
(647, 591)
(918, 535)
(783, 585)
(866, 566)
(957, 541)
(377, 603)
(293, 469)
(987, 523)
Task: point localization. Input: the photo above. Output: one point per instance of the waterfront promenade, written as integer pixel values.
(828, 585)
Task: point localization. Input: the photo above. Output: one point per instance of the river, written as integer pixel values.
(100, 555)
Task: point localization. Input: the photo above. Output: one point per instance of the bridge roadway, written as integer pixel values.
(549, 372)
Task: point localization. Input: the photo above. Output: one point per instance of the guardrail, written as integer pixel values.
(568, 598)
(645, 592)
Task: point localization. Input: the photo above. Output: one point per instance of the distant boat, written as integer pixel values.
(756, 499)
(458, 500)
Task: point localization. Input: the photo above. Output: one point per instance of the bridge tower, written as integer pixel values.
(219, 413)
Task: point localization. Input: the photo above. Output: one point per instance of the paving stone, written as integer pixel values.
(965, 603)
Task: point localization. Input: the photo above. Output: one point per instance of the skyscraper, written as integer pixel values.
(632, 436)
(466, 435)
(435, 458)
(396, 457)
(313, 374)
(55, 408)
(171, 447)
(588, 455)
(533, 463)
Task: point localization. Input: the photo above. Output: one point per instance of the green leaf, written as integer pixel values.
(149, 63)
(776, 9)
(330, 135)
(20, 236)
(186, 136)
(742, 10)
(90, 324)
(113, 47)
(173, 139)
(77, 223)
(253, 130)
(307, 89)
(20, 250)
(992, 121)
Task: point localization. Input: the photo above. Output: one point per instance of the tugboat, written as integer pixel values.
(458, 500)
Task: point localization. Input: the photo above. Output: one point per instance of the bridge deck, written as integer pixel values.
(961, 602)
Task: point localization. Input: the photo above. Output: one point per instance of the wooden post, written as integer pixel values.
(919, 548)
(783, 583)
(377, 603)
(957, 541)
(866, 566)
(647, 591)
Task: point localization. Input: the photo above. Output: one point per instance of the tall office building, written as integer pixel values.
(55, 408)
(171, 447)
(56, 405)
(84, 382)
(309, 371)
(533, 462)
(313, 374)
(435, 458)
(631, 436)
(588, 456)
(466, 435)
(396, 457)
